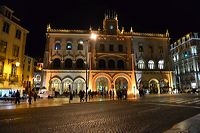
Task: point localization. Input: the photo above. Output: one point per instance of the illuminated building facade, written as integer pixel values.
(28, 70)
(12, 48)
(185, 54)
(116, 60)
(37, 78)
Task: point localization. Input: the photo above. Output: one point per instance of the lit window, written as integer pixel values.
(141, 64)
(151, 64)
(174, 58)
(185, 54)
(80, 45)
(141, 49)
(161, 64)
(57, 46)
(193, 50)
(69, 46)
(177, 57)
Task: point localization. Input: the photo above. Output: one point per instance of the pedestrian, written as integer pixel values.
(80, 95)
(113, 93)
(17, 99)
(110, 92)
(35, 96)
(30, 97)
(89, 94)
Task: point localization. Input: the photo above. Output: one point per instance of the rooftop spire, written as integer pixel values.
(131, 30)
(48, 27)
(167, 33)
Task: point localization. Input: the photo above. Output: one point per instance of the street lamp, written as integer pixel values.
(93, 37)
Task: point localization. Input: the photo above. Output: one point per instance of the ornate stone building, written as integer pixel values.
(116, 60)
(12, 50)
(185, 54)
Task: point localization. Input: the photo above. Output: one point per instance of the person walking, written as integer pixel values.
(30, 97)
(17, 99)
(80, 95)
(110, 93)
(35, 96)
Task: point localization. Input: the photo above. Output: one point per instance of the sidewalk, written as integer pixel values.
(46, 102)
(191, 125)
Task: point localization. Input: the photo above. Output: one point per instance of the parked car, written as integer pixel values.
(43, 93)
(187, 90)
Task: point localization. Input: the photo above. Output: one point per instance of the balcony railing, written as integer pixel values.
(13, 78)
(3, 76)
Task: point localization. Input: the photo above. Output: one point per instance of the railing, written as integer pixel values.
(13, 78)
(3, 76)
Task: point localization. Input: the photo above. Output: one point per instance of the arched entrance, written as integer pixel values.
(67, 83)
(121, 84)
(154, 87)
(102, 86)
(123, 81)
(164, 86)
(95, 84)
(79, 84)
(56, 85)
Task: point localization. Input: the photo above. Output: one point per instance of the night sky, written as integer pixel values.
(178, 16)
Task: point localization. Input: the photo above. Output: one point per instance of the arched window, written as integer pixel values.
(151, 64)
(69, 46)
(80, 64)
(56, 63)
(161, 64)
(111, 64)
(68, 63)
(120, 64)
(57, 46)
(102, 64)
(141, 64)
(80, 46)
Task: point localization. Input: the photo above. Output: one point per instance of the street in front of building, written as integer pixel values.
(151, 113)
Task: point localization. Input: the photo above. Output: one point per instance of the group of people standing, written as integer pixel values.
(81, 95)
(30, 95)
(122, 94)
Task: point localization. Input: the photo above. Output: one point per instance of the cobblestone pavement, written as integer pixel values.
(151, 114)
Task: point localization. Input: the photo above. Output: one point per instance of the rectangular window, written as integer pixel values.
(161, 50)
(1, 67)
(29, 61)
(15, 51)
(120, 48)
(29, 68)
(111, 48)
(13, 70)
(3, 47)
(6, 27)
(151, 49)
(18, 34)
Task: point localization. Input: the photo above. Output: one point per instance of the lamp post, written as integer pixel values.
(93, 37)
